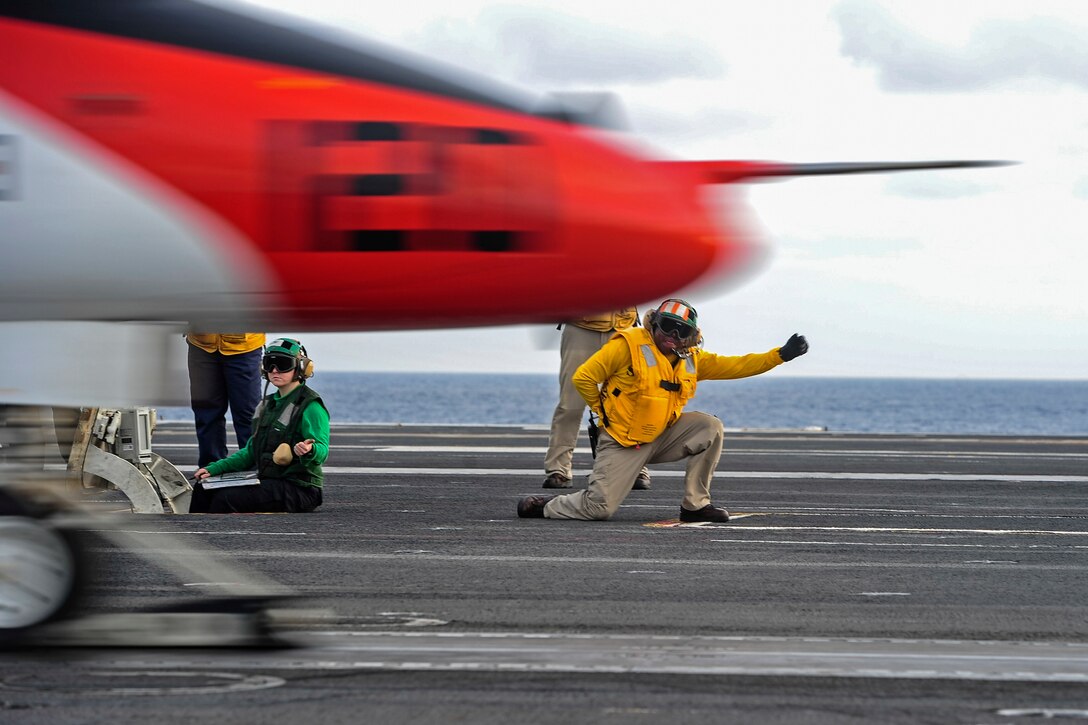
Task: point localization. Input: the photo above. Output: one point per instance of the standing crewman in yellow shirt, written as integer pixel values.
(638, 385)
(581, 338)
(224, 371)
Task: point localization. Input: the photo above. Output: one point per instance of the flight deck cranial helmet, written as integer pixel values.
(283, 354)
(675, 327)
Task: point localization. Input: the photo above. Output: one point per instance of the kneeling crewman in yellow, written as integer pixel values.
(637, 385)
(289, 444)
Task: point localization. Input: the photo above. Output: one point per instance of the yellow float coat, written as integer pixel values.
(637, 391)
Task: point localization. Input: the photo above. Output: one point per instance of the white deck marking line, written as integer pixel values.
(803, 512)
(835, 453)
(484, 665)
(577, 561)
(218, 682)
(818, 475)
(911, 530)
(865, 453)
(905, 544)
(1044, 712)
(768, 656)
(914, 514)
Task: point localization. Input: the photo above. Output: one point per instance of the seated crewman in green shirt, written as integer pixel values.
(290, 441)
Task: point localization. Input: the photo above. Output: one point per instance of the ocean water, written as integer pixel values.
(996, 407)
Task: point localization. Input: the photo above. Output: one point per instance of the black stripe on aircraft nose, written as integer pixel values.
(378, 185)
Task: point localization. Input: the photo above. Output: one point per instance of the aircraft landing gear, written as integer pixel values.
(46, 561)
(41, 572)
(42, 564)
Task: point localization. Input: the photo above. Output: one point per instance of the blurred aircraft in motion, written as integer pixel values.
(176, 161)
(170, 165)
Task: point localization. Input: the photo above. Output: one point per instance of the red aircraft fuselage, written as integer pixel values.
(173, 161)
(330, 189)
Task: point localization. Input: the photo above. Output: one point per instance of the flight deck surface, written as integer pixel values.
(865, 578)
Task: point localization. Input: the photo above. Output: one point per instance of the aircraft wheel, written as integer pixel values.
(40, 572)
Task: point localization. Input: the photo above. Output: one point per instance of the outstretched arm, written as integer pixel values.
(730, 367)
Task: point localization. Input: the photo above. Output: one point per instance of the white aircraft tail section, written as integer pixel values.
(97, 364)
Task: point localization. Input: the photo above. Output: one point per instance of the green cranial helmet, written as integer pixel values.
(675, 327)
(285, 346)
(285, 354)
(678, 310)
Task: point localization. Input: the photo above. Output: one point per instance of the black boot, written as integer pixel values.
(706, 513)
(532, 507)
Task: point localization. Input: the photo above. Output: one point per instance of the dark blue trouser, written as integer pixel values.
(216, 382)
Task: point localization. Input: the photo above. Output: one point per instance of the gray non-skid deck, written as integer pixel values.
(865, 579)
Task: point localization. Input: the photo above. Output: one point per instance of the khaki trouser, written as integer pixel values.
(694, 436)
(576, 346)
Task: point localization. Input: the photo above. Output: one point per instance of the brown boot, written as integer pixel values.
(556, 480)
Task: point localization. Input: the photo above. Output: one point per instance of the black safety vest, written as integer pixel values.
(277, 422)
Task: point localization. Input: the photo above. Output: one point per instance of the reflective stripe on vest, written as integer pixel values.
(648, 354)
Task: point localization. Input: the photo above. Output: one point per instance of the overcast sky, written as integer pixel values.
(971, 273)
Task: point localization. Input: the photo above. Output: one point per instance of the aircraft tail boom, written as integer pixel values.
(731, 172)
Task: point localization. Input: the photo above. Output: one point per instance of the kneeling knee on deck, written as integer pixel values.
(598, 508)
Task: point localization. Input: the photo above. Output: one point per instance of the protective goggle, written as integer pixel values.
(675, 328)
(275, 363)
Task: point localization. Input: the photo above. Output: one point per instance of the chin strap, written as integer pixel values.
(686, 352)
(689, 351)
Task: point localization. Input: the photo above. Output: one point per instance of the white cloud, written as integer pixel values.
(1080, 188)
(547, 47)
(998, 51)
(934, 186)
(958, 273)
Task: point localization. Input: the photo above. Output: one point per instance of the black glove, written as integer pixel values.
(796, 346)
